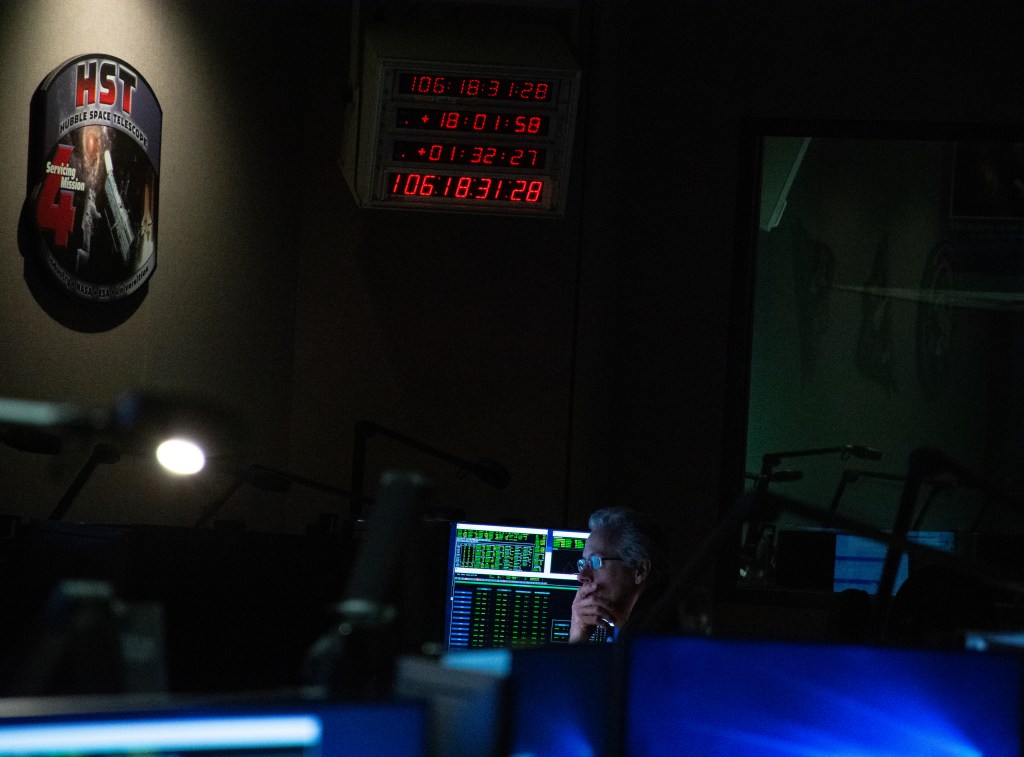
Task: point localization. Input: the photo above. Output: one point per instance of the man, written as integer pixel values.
(624, 568)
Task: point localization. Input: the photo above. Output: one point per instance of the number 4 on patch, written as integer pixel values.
(55, 209)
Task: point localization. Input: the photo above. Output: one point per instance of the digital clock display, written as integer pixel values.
(482, 87)
(437, 119)
(527, 190)
(478, 120)
(469, 154)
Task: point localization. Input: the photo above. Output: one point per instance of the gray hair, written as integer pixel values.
(636, 535)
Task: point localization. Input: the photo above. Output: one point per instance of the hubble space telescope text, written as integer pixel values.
(103, 89)
(90, 116)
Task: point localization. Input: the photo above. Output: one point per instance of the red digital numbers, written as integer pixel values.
(466, 153)
(428, 85)
(453, 119)
(485, 155)
(524, 157)
(524, 191)
(55, 208)
(528, 124)
(435, 119)
(466, 187)
(479, 88)
(462, 186)
(529, 90)
(489, 135)
(468, 86)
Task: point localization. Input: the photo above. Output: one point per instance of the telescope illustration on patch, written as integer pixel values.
(98, 128)
(117, 216)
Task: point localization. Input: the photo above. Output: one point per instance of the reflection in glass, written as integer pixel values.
(887, 312)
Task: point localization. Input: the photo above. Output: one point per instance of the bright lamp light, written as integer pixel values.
(181, 456)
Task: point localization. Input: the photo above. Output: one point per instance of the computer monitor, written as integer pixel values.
(252, 728)
(466, 705)
(743, 698)
(563, 701)
(824, 559)
(859, 561)
(510, 586)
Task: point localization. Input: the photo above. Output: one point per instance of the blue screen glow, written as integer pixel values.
(738, 698)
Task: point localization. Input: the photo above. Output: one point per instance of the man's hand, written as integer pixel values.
(588, 611)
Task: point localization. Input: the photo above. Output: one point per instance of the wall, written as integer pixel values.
(219, 316)
(275, 295)
(452, 329)
(589, 355)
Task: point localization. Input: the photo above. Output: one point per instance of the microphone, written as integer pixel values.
(771, 459)
(275, 481)
(781, 476)
(487, 470)
(752, 557)
(360, 647)
(864, 453)
(926, 463)
(102, 454)
(268, 480)
(852, 475)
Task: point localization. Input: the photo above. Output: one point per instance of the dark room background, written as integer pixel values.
(591, 355)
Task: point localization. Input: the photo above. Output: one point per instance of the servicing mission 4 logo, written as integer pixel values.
(95, 200)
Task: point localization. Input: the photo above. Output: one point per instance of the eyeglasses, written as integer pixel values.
(594, 561)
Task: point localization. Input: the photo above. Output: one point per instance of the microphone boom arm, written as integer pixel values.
(489, 471)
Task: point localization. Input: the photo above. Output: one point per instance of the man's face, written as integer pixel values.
(616, 585)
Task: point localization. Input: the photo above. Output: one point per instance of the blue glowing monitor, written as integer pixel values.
(824, 559)
(859, 561)
(563, 701)
(254, 730)
(718, 698)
